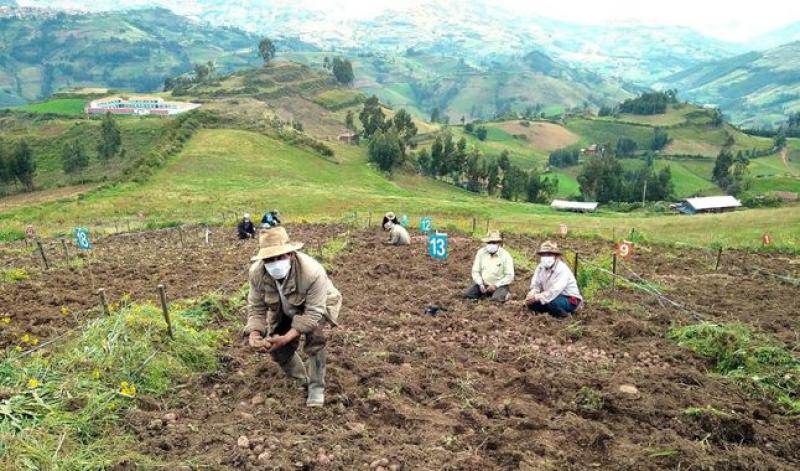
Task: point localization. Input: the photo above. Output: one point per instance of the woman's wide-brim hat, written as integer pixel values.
(549, 247)
(390, 215)
(493, 236)
(275, 242)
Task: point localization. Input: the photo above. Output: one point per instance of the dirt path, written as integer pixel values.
(487, 387)
(38, 197)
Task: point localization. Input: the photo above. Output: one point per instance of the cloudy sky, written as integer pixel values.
(735, 20)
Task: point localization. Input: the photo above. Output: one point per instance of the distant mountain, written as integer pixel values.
(473, 30)
(756, 88)
(42, 51)
(778, 37)
(422, 80)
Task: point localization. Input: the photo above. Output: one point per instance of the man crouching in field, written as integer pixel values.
(291, 295)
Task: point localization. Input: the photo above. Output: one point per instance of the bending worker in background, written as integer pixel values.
(492, 271)
(553, 287)
(398, 235)
(291, 295)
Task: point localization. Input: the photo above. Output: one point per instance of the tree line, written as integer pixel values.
(604, 179)
(645, 104)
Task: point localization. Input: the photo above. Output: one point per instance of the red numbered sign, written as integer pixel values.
(30, 231)
(563, 229)
(766, 239)
(624, 249)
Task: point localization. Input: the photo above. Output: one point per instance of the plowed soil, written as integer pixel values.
(483, 386)
(125, 265)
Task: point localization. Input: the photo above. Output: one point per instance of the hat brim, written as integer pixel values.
(556, 252)
(489, 240)
(278, 250)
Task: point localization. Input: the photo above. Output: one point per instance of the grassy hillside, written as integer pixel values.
(233, 170)
(753, 89)
(694, 145)
(47, 138)
(41, 54)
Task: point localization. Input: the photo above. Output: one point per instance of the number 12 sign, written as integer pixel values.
(425, 224)
(82, 238)
(437, 246)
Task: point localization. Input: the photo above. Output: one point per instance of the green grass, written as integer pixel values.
(754, 361)
(686, 180)
(63, 106)
(597, 131)
(62, 409)
(226, 170)
(338, 98)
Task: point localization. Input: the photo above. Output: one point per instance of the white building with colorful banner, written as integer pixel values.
(138, 105)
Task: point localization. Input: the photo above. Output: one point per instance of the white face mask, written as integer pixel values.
(547, 261)
(389, 225)
(492, 248)
(278, 269)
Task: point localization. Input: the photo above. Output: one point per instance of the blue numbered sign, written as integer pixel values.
(82, 238)
(404, 220)
(437, 246)
(425, 224)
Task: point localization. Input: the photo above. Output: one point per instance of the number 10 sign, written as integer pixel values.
(437, 246)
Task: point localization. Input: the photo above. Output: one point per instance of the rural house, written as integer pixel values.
(708, 204)
(349, 138)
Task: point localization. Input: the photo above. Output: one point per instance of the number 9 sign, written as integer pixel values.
(82, 238)
(624, 249)
(425, 224)
(437, 246)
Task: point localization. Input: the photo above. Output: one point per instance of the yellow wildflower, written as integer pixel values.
(25, 338)
(33, 383)
(64, 310)
(96, 373)
(34, 341)
(127, 389)
(6, 320)
(126, 298)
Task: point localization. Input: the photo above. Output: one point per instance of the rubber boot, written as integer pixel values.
(316, 380)
(294, 368)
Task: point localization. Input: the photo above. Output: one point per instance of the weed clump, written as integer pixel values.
(755, 362)
(60, 410)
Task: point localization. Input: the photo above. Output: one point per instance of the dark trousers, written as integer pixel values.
(315, 342)
(500, 294)
(560, 307)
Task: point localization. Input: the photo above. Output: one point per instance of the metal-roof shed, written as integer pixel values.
(573, 205)
(713, 203)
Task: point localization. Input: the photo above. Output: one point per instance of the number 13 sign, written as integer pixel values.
(437, 246)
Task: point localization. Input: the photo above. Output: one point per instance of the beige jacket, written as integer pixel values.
(398, 235)
(308, 290)
(493, 269)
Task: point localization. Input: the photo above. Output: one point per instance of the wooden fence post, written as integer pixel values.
(162, 293)
(41, 251)
(614, 270)
(487, 225)
(369, 219)
(719, 256)
(575, 265)
(66, 252)
(474, 223)
(180, 235)
(103, 300)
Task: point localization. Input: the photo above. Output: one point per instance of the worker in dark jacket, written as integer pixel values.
(246, 229)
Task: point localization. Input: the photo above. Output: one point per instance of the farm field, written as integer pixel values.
(477, 386)
(63, 106)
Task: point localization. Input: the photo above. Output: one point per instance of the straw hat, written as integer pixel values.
(275, 242)
(492, 236)
(390, 215)
(247, 215)
(549, 247)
